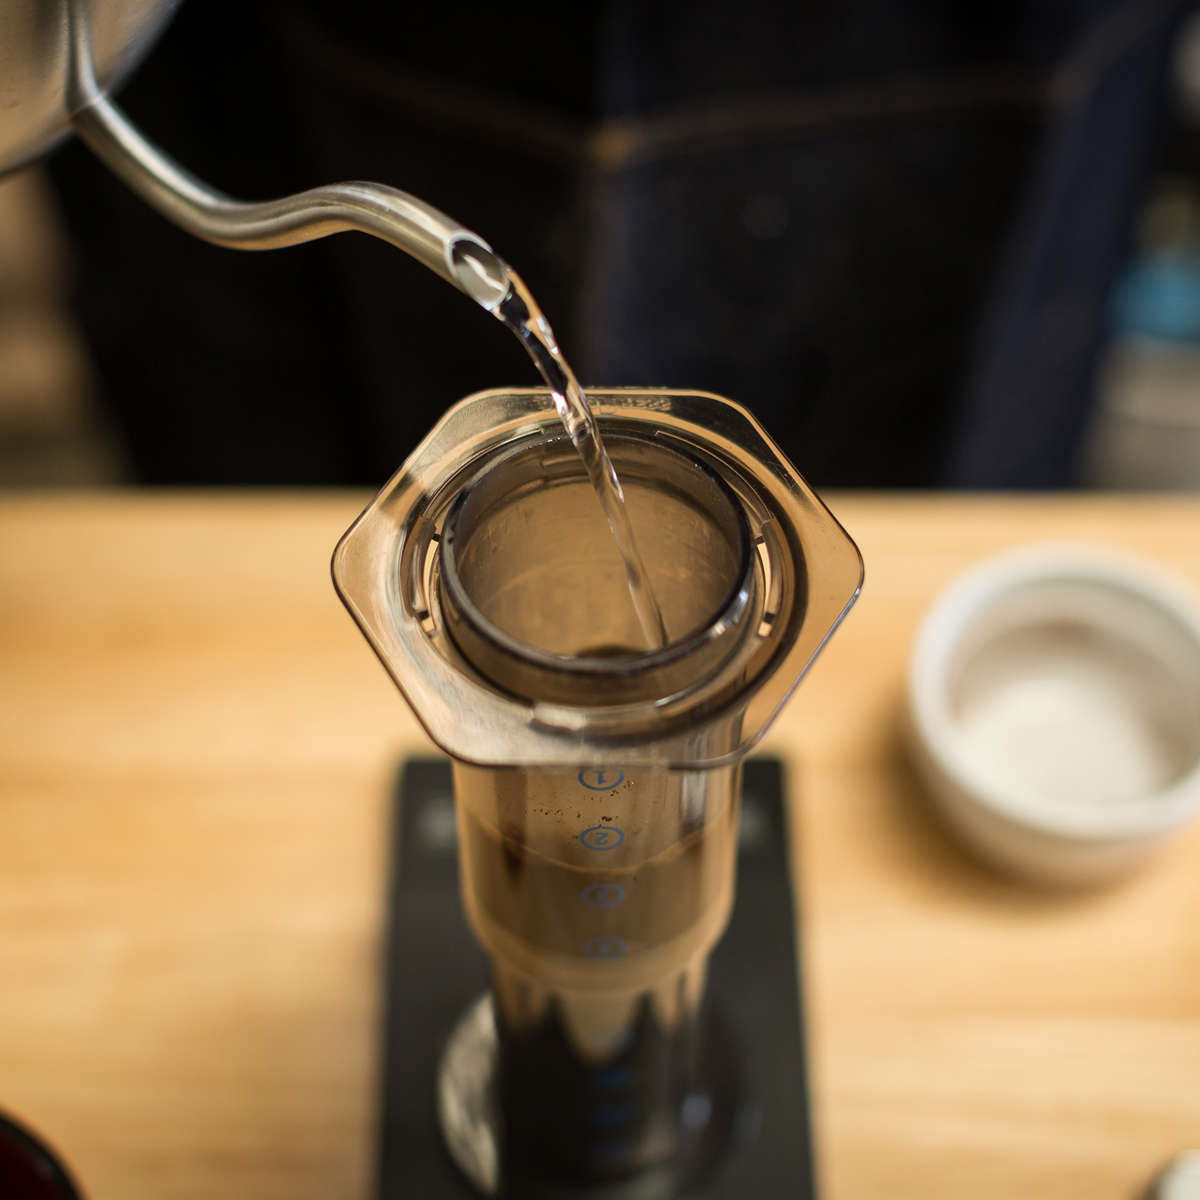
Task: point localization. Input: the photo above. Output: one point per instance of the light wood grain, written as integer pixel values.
(195, 753)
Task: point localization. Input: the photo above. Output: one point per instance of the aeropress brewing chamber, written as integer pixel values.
(596, 781)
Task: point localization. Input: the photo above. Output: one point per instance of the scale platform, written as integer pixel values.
(435, 970)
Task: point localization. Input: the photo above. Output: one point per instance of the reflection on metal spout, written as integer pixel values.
(480, 272)
(432, 238)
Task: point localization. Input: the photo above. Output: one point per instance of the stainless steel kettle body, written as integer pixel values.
(60, 60)
(35, 53)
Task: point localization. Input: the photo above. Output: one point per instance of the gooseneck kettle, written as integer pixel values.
(60, 61)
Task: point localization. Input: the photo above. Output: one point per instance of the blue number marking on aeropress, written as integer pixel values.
(605, 947)
(602, 895)
(602, 837)
(602, 779)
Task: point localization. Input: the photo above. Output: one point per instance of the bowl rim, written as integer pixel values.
(954, 613)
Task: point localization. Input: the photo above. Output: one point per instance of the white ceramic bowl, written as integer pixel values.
(1054, 710)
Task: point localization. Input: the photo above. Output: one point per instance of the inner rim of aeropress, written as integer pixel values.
(522, 466)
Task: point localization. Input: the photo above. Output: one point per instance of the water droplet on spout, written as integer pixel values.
(479, 272)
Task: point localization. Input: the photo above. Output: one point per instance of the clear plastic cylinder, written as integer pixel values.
(597, 892)
(597, 777)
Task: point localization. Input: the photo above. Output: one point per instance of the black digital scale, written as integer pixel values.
(435, 970)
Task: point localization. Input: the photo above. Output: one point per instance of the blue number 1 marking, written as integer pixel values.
(600, 779)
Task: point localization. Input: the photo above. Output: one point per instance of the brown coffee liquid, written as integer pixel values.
(598, 908)
(559, 916)
(592, 1080)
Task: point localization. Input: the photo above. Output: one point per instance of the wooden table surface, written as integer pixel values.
(195, 753)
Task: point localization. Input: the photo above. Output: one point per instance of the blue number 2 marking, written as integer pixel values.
(600, 779)
(602, 837)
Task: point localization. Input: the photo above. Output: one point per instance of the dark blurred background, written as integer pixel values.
(893, 229)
